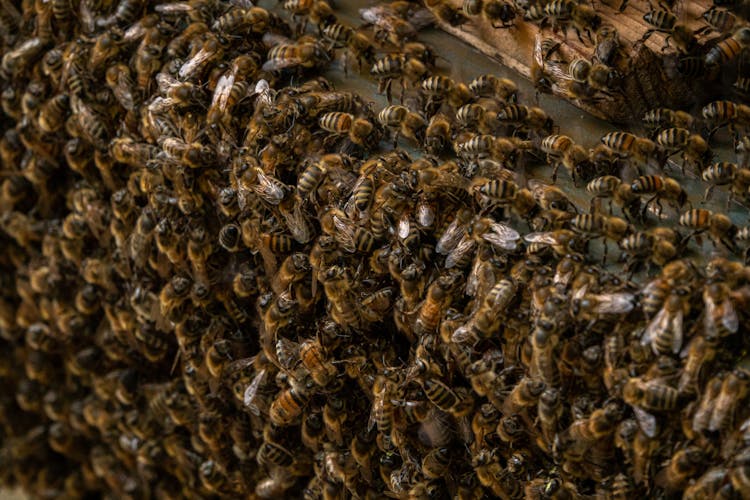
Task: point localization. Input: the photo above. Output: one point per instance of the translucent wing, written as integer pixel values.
(502, 236)
(654, 327)
(646, 421)
(547, 238)
(252, 391)
(403, 226)
(450, 238)
(464, 248)
(268, 188)
(615, 303)
(345, 234)
(222, 91)
(194, 63)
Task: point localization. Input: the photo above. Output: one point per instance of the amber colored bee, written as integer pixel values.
(392, 67)
(719, 226)
(725, 113)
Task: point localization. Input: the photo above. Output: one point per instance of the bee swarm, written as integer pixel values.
(223, 277)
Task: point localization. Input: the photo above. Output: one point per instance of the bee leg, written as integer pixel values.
(388, 91)
(746, 256)
(606, 251)
(707, 194)
(621, 9)
(403, 90)
(554, 172)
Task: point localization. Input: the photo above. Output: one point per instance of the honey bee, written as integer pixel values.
(498, 13)
(398, 66)
(312, 357)
(719, 226)
(303, 55)
(409, 124)
(360, 130)
(356, 43)
(664, 21)
(662, 188)
(683, 465)
(662, 118)
(734, 389)
(693, 147)
(573, 157)
(289, 404)
(718, 114)
(641, 149)
(437, 135)
(438, 89)
(728, 49)
(719, 174)
(395, 24)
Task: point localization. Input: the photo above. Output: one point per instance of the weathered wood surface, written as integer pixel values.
(650, 77)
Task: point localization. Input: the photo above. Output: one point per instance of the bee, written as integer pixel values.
(304, 55)
(658, 119)
(438, 89)
(651, 395)
(693, 147)
(397, 66)
(682, 466)
(561, 150)
(356, 43)
(53, 112)
(313, 358)
(531, 117)
(394, 24)
(360, 130)
(725, 113)
(662, 188)
(664, 21)
(498, 13)
(641, 149)
(728, 49)
(707, 484)
(409, 124)
(289, 405)
(734, 389)
(719, 226)
(719, 174)
(610, 227)
(486, 320)
(437, 135)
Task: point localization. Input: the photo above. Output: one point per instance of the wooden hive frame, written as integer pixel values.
(650, 77)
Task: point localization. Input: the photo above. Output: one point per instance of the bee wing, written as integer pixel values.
(461, 335)
(287, 352)
(464, 247)
(403, 226)
(729, 319)
(165, 81)
(547, 238)
(222, 91)
(425, 214)
(191, 65)
(298, 224)
(676, 324)
(646, 421)
(502, 236)
(615, 303)
(252, 391)
(264, 94)
(279, 64)
(345, 234)
(656, 324)
(270, 191)
(174, 8)
(450, 238)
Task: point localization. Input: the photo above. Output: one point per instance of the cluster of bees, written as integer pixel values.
(704, 53)
(222, 276)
